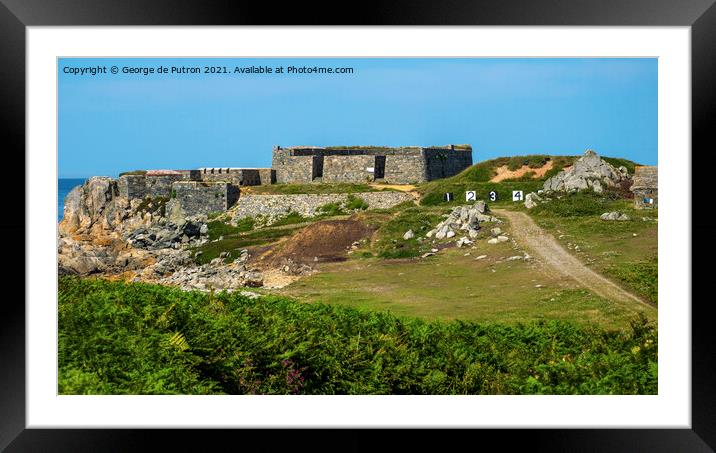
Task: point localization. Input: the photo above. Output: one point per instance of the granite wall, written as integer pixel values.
(132, 186)
(201, 197)
(355, 169)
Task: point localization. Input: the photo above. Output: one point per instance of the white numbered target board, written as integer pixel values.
(493, 195)
(470, 195)
(517, 195)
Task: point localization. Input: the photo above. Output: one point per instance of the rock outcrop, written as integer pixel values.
(589, 172)
(463, 218)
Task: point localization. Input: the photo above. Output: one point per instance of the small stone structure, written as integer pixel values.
(237, 176)
(203, 197)
(645, 187)
(403, 165)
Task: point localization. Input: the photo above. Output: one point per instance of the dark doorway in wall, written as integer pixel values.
(379, 170)
(317, 167)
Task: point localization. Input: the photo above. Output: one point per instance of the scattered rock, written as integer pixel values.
(614, 215)
(408, 235)
(496, 231)
(502, 238)
(493, 241)
(481, 257)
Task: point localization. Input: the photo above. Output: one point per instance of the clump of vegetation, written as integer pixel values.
(132, 338)
(618, 162)
(354, 203)
(642, 276)
(218, 228)
(586, 203)
(152, 205)
(291, 218)
(330, 210)
(133, 172)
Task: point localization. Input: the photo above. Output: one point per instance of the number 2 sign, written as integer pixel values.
(470, 195)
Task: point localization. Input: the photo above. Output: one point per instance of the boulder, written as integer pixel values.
(532, 200)
(589, 172)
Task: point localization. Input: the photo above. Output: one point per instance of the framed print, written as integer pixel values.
(372, 226)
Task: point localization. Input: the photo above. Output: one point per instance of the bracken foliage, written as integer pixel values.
(123, 338)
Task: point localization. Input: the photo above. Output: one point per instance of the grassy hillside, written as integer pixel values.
(478, 176)
(120, 338)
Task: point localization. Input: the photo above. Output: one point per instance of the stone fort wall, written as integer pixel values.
(391, 165)
(202, 197)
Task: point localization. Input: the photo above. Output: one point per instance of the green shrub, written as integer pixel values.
(116, 338)
(330, 210)
(354, 203)
(642, 276)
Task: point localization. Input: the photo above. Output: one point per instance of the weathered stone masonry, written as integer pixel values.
(645, 187)
(213, 189)
(203, 197)
(390, 165)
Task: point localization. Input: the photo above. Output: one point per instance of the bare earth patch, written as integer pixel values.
(325, 241)
(505, 173)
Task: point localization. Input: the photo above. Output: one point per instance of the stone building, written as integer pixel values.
(205, 197)
(404, 165)
(645, 187)
(236, 176)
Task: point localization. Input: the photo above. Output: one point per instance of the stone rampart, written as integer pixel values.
(201, 197)
(308, 204)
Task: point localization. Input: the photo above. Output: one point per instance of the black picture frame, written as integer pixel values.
(16, 15)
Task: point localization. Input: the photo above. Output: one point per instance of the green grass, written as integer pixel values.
(575, 205)
(626, 251)
(218, 228)
(122, 338)
(389, 242)
(451, 286)
(286, 189)
(618, 162)
(642, 276)
(433, 192)
(234, 243)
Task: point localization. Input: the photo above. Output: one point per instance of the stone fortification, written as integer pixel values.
(646, 187)
(274, 206)
(202, 197)
(403, 165)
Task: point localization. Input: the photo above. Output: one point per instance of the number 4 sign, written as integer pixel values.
(517, 195)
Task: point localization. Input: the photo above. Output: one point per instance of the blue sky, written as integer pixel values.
(112, 123)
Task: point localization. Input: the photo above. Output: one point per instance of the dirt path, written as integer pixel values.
(546, 248)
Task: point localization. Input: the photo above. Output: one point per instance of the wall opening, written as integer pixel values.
(317, 167)
(379, 169)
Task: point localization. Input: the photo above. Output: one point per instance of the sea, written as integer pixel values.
(64, 186)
